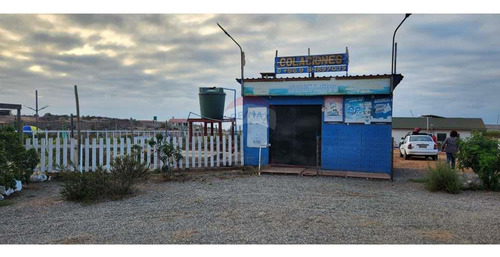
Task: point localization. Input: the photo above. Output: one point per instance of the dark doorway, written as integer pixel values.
(293, 138)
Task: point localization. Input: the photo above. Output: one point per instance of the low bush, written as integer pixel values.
(15, 161)
(86, 186)
(125, 172)
(482, 155)
(442, 178)
(99, 185)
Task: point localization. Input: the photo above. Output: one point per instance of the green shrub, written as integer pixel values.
(167, 153)
(125, 172)
(442, 178)
(15, 160)
(87, 187)
(481, 154)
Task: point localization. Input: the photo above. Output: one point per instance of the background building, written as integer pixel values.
(437, 125)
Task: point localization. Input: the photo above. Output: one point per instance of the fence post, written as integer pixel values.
(65, 153)
(50, 168)
(230, 146)
(87, 154)
(155, 154)
(148, 155)
(28, 143)
(174, 142)
(101, 151)
(72, 154)
(217, 141)
(187, 153)
(193, 156)
(142, 149)
(236, 157)
(58, 151)
(108, 153)
(129, 145)
(223, 150)
(122, 146)
(211, 151)
(199, 151)
(241, 150)
(94, 155)
(42, 156)
(205, 147)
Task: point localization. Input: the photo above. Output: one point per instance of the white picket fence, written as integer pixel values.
(202, 152)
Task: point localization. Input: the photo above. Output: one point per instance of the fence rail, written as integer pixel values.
(59, 153)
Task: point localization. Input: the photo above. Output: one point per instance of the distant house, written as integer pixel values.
(492, 127)
(437, 125)
(174, 123)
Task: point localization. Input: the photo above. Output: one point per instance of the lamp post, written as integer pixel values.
(393, 60)
(242, 56)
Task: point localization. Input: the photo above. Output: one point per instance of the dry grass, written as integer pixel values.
(438, 235)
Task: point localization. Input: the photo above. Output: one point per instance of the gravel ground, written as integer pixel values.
(276, 209)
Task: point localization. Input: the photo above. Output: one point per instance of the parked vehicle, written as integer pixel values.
(418, 145)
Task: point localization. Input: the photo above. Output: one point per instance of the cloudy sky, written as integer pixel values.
(145, 65)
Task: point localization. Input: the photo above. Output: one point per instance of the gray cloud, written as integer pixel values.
(144, 65)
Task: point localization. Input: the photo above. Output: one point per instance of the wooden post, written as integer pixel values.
(19, 125)
(78, 124)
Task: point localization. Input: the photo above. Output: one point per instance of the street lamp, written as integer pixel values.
(242, 56)
(242, 65)
(393, 60)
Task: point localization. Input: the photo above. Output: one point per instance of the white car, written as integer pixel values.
(418, 145)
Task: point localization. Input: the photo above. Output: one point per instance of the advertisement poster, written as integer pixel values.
(368, 111)
(333, 109)
(381, 110)
(257, 127)
(354, 109)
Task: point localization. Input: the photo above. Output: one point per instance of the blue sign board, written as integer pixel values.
(354, 109)
(381, 109)
(311, 63)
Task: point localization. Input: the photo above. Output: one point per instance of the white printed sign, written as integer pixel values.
(257, 127)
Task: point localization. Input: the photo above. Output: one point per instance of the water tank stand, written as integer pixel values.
(211, 122)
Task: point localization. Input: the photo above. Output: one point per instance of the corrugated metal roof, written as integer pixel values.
(397, 78)
(438, 123)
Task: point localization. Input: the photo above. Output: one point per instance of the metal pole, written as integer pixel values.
(36, 108)
(393, 60)
(395, 55)
(242, 55)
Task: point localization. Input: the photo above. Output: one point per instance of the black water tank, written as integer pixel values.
(212, 101)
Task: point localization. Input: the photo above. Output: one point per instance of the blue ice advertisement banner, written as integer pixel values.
(381, 109)
(354, 109)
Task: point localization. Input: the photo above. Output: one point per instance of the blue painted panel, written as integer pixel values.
(365, 148)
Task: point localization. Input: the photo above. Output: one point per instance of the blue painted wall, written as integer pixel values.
(346, 147)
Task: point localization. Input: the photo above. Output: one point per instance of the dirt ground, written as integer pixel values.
(417, 163)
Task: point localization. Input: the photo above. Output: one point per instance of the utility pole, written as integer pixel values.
(36, 109)
(78, 124)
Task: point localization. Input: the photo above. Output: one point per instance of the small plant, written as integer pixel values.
(15, 161)
(481, 154)
(442, 178)
(167, 153)
(98, 185)
(86, 187)
(126, 171)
